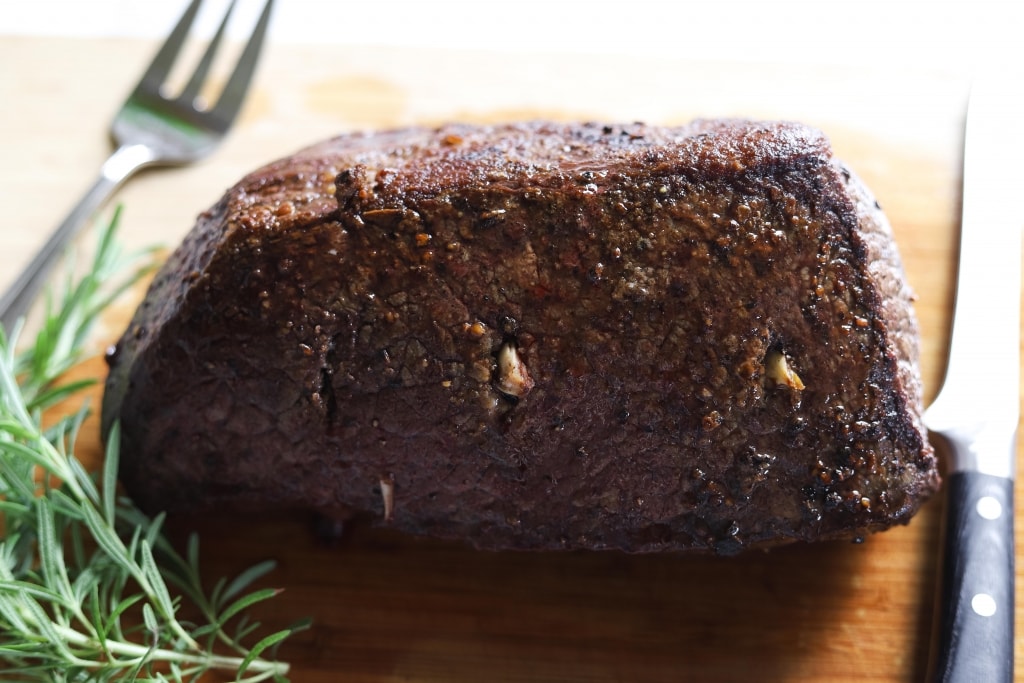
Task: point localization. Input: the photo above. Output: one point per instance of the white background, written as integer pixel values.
(941, 34)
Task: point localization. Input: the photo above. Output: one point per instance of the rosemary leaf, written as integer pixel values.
(111, 460)
(54, 395)
(85, 576)
(258, 649)
(246, 579)
(245, 603)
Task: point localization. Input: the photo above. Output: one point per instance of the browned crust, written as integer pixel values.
(644, 275)
(895, 301)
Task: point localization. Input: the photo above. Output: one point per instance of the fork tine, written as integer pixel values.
(161, 65)
(191, 89)
(234, 92)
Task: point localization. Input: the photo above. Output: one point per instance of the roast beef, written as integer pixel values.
(537, 336)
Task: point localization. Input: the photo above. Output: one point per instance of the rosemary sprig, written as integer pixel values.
(86, 577)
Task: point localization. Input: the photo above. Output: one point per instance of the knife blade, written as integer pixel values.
(978, 407)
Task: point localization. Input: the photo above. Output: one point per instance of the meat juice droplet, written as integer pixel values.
(111, 354)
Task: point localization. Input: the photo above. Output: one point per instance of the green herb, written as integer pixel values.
(88, 582)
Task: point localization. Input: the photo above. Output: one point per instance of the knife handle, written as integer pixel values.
(976, 598)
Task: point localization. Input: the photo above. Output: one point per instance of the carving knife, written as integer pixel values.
(978, 407)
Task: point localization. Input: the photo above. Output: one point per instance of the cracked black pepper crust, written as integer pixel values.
(538, 335)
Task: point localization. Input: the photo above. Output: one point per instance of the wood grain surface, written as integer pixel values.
(389, 608)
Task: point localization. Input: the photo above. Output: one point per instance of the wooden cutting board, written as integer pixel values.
(388, 608)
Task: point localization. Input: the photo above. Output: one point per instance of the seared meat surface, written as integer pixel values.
(537, 336)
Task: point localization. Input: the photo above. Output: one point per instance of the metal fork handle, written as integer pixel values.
(17, 300)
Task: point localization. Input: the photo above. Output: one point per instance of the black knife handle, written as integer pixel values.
(974, 641)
